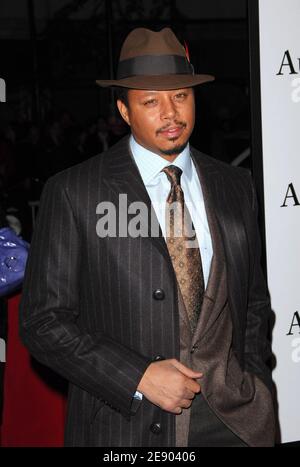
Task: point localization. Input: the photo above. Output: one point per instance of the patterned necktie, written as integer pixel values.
(183, 247)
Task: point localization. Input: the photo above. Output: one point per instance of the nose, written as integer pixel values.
(168, 109)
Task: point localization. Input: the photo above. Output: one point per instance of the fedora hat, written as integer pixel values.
(154, 60)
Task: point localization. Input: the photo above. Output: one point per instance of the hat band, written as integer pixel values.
(154, 65)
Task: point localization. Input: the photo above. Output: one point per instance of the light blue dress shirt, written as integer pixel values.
(158, 188)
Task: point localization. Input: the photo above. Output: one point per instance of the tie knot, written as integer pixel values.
(173, 173)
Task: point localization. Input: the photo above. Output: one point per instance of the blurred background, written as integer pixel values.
(55, 116)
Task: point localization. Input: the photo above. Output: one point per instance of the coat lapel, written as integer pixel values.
(123, 177)
(223, 210)
(215, 293)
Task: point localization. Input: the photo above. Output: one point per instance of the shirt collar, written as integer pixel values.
(150, 164)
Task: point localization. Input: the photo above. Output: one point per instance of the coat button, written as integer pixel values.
(195, 347)
(155, 428)
(159, 294)
(158, 358)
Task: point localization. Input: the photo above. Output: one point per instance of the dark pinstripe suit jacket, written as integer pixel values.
(89, 308)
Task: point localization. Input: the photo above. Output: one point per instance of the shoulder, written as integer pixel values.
(232, 181)
(220, 167)
(233, 177)
(87, 174)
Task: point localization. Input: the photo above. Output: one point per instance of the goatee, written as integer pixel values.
(176, 150)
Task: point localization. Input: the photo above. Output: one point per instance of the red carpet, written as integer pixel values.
(34, 397)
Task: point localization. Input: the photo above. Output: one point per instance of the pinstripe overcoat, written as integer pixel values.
(99, 310)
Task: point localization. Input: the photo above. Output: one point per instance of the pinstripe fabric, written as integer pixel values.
(88, 309)
(232, 196)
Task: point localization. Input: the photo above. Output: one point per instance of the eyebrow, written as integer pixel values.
(153, 92)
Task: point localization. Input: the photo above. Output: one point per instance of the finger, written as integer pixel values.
(188, 394)
(186, 371)
(186, 403)
(193, 386)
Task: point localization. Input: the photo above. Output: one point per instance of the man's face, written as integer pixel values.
(161, 121)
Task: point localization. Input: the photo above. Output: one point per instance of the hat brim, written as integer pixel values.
(157, 82)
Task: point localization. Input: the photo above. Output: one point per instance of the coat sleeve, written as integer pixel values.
(50, 308)
(257, 339)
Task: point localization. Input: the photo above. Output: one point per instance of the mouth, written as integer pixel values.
(172, 132)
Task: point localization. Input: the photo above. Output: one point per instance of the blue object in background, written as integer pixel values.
(13, 257)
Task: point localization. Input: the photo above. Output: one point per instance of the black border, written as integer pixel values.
(256, 123)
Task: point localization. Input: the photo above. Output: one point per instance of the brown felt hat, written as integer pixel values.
(154, 60)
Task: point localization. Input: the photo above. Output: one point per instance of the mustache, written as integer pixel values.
(164, 128)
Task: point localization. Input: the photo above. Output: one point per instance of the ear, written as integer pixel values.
(123, 111)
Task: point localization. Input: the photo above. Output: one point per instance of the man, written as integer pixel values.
(161, 332)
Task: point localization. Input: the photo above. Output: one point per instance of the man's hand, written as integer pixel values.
(170, 385)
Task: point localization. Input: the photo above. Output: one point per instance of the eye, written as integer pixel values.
(150, 102)
(180, 96)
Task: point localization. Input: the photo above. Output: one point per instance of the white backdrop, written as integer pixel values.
(280, 93)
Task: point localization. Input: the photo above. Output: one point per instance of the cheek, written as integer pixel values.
(190, 116)
(146, 122)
